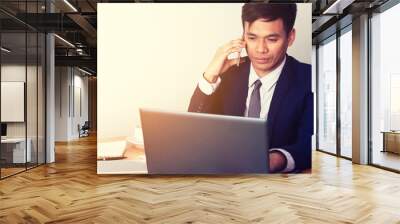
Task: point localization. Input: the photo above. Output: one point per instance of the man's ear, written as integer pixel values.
(291, 37)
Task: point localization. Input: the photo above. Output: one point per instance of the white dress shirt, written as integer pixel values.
(266, 92)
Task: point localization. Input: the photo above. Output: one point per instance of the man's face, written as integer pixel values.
(266, 43)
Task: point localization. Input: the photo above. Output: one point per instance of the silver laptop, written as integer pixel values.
(195, 143)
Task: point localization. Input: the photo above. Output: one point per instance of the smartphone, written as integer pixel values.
(238, 60)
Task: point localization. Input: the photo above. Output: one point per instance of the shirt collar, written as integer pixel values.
(268, 80)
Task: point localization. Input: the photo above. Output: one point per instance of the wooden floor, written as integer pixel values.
(70, 191)
(10, 171)
(5, 172)
(387, 159)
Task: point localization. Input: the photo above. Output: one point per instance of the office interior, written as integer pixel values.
(48, 81)
(357, 84)
(48, 78)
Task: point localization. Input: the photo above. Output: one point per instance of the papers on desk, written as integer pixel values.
(115, 149)
(121, 167)
(123, 156)
(108, 150)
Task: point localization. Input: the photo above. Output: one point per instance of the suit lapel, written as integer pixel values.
(281, 90)
(237, 91)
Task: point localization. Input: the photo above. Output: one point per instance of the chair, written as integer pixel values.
(84, 130)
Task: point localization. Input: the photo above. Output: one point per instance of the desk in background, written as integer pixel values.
(391, 141)
(13, 150)
(125, 157)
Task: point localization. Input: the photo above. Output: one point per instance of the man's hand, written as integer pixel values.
(220, 62)
(277, 162)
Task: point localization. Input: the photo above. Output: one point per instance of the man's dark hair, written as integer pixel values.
(270, 12)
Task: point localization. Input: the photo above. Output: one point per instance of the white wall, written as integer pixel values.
(11, 73)
(33, 127)
(12, 101)
(80, 84)
(67, 85)
(156, 53)
(61, 103)
(17, 73)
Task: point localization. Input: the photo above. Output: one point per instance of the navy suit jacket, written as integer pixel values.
(290, 116)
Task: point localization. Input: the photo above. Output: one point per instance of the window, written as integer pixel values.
(22, 76)
(346, 94)
(385, 89)
(327, 96)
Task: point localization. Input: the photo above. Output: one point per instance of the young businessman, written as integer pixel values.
(267, 83)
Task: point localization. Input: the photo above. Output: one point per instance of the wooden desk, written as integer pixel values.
(16, 153)
(132, 161)
(127, 158)
(391, 141)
